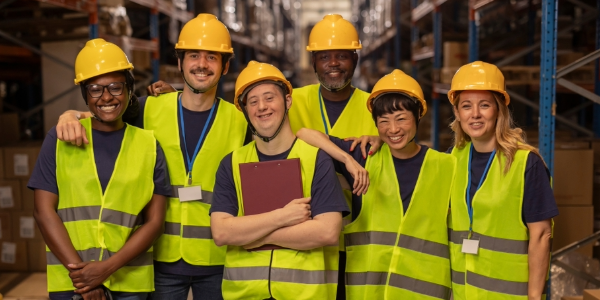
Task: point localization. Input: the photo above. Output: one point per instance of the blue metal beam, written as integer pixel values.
(397, 48)
(437, 65)
(596, 120)
(548, 82)
(93, 22)
(414, 37)
(473, 36)
(154, 36)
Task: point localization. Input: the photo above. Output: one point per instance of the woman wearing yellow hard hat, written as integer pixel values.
(502, 202)
(397, 243)
(100, 207)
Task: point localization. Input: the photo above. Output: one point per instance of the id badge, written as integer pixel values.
(190, 193)
(470, 246)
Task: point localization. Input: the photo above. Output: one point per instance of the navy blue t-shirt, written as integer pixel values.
(106, 149)
(334, 109)
(407, 173)
(194, 122)
(326, 192)
(538, 199)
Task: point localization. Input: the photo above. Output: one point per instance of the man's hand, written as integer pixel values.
(70, 130)
(373, 140)
(360, 175)
(88, 275)
(95, 294)
(296, 212)
(159, 87)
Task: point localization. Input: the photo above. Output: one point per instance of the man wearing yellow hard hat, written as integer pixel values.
(196, 130)
(100, 208)
(397, 247)
(308, 227)
(333, 106)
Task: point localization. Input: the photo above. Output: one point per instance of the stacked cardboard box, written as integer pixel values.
(21, 245)
(573, 185)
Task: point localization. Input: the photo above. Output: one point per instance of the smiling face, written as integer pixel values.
(114, 101)
(202, 69)
(265, 106)
(334, 67)
(397, 129)
(477, 112)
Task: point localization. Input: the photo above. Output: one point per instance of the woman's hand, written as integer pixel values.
(373, 140)
(89, 275)
(159, 87)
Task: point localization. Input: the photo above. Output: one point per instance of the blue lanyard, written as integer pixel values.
(323, 111)
(190, 162)
(487, 168)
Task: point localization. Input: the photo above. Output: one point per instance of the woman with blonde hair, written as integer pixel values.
(502, 203)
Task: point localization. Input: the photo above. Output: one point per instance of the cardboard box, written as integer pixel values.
(5, 226)
(19, 161)
(591, 294)
(571, 298)
(141, 60)
(13, 256)
(573, 176)
(10, 195)
(34, 287)
(9, 128)
(27, 198)
(573, 223)
(24, 227)
(456, 54)
(2, 163)
(447, 73)
(36, 254)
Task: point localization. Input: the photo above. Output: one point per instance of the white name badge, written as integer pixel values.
(190, 193)
(470, 246)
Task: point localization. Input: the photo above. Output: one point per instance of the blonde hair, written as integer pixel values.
(509, 138)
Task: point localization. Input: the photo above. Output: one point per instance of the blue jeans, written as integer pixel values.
(177, 287)
(115, 295)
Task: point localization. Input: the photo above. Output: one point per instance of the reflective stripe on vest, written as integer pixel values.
(355, 120)
(388, 247)
(281, 273)
(187, 227)
(504, 248)
(97, 221)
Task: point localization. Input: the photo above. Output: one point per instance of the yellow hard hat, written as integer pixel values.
(255, 72)
(397, 82)
(478, 76)
(205, 32)
(333, 33)
(99, 57)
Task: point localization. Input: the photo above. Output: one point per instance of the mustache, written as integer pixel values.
(202, 70)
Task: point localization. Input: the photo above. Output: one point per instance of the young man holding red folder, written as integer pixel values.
(308, 227)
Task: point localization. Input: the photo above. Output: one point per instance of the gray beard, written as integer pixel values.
(332, 86)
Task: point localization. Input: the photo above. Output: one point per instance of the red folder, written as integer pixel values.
(269, 185)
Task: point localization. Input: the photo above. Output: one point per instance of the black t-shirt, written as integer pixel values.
(538, 199)
(407, 173)
(194, 122)
(106, 149)
(326, 192)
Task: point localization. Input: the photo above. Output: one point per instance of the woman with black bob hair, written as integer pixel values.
(397, 243)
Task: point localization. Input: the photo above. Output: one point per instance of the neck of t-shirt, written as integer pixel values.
(338, 96)
(282, 155)
(198, 102)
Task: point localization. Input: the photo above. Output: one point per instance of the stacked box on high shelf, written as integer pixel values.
(21, 245)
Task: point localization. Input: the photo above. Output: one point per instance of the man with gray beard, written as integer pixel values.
(334, 106)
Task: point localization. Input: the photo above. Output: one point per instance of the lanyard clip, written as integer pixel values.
(189, 178)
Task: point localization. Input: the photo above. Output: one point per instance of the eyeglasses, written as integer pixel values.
(97, 90)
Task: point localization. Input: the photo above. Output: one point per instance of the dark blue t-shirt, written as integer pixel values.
(334, 109)
(326, 192)
(106, 149)
(538, 199)
(194, 122)
(407, 173)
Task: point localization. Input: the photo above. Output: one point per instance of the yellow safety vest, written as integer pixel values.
(500, 270)
(187, 224)
(396, 255)
(99, 223)
(308, 111)
(282, 273)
